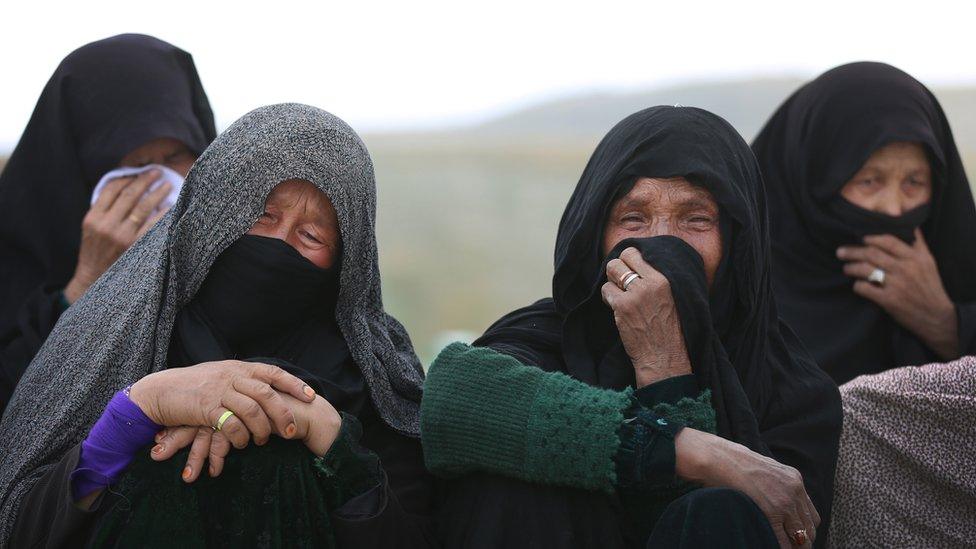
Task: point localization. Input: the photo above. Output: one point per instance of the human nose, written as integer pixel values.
(891, 203)
(661, 226)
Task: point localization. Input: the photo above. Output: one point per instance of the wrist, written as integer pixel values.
(944, 338)
(140, 393)
(694, 456)
(323, 429)
(660, 367)
(75, 289)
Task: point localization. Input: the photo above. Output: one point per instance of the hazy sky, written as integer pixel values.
(417, 63)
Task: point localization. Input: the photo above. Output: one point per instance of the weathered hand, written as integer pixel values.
(646, 318)
(206, 445)
(776, 488)
(122, 213)
(317, 425)
(197, 396)
(912, 293)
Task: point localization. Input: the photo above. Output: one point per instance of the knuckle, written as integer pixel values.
(251, 410)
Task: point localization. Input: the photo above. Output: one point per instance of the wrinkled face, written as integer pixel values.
(165, 151)
(676, 207)
(895, 179)
(297, 212)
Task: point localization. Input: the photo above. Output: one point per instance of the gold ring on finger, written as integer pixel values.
(220, 422)
(630, 280)
(135, 219)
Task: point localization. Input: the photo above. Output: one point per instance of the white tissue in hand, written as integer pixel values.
(167, 175)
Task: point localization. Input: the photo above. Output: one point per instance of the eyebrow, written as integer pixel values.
(699, 202)
(695, 201)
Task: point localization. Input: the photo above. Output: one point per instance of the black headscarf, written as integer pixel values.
(104, 100)
(813, 144)
(768, 394)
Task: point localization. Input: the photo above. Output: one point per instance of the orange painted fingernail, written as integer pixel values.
(309, 391)
(187, 472)
(290, 430)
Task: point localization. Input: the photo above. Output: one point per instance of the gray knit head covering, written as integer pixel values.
(120, 330)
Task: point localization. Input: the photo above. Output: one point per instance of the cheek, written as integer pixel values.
(709, 246)
(322, 258)
(611, 236)
(181, 167)
(917, 198)
(859, 195)
(261, 230)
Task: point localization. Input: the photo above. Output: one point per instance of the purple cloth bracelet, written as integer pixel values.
(112, 442)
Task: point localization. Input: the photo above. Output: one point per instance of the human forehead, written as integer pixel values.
(666, 192)
(294, 191)
(900, 153)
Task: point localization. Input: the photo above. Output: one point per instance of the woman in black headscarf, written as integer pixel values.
(872, 220)
(661, 284)
(129, 100)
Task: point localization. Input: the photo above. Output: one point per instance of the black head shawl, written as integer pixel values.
(767, 392)
(104, 100)
(813, 144)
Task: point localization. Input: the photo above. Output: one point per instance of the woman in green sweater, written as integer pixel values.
(655, 399)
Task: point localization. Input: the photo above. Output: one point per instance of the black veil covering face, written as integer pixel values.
(813, 144)
(104, 100)
(262, 300)
(767, 392)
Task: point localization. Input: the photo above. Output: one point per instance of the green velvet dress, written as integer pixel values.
(276, 495)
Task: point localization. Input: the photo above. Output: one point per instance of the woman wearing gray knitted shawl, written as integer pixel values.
(251, 311)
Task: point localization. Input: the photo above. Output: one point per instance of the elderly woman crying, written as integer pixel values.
(252, 311)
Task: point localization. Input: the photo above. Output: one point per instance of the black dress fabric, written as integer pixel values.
(263, 301)
(813, 144)
(104, 100)
(767, 392)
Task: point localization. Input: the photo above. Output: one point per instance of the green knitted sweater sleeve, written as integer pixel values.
(485, 411)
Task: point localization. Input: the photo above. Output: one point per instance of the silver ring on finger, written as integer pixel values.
(629, 279)
(877, 276)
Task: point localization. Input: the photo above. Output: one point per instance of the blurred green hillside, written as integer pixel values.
(467, 217)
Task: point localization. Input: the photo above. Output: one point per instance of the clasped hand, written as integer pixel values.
(265, 400)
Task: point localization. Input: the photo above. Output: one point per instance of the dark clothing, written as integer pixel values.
(490, 512)
(104, 100)
(767, 392)
(262, 296)
(811, 146)
(151, 503)
(713, 517)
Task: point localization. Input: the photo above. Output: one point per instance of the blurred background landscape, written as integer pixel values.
(467, 216)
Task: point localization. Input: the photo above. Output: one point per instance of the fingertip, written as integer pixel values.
(309, 392)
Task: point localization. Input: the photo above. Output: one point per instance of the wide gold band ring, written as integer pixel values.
(223, 418)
